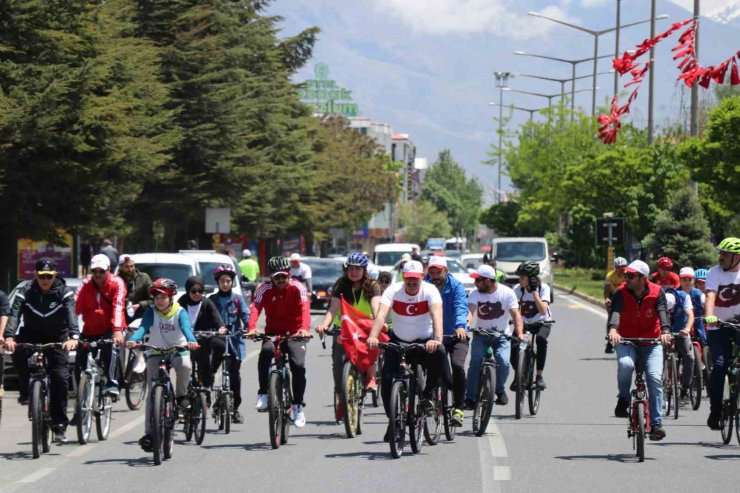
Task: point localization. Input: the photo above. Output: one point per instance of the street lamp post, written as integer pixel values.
(595, 34)
(548, 96)
(562, 81)
(501, 80)
(573, 63)
(651, 75)
(530, 111)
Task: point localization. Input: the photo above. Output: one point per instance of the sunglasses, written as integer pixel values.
(632, 275)
(280, 277)
(98, 271)
(45, 277)
(197, 291)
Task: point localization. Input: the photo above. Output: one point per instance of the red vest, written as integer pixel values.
(639, 320)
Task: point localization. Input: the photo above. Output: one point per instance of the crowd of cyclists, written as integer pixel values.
(428, 306)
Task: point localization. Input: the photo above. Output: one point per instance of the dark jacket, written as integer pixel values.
(47, 317)
(235, 314)
(138, 291)
(208, 317)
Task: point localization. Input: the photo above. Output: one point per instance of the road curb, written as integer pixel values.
(577, 294)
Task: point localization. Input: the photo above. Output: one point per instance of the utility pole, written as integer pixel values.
(616, 47)
(651, 85)
(502, 78)
(695, 86)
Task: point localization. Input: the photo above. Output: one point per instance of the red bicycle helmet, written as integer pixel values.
(224, 269)
(665, 262)
(164, 286)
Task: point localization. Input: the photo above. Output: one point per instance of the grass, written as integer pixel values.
(587, 281)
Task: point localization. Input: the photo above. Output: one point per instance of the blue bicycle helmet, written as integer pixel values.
(700, 274)
(357, 258)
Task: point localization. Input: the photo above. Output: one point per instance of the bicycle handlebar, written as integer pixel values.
(728, 325)
(267, 337)
(38, 347)
(163, 350)
(402, 347)
(93, 343)
(209, 334)
(491, 333)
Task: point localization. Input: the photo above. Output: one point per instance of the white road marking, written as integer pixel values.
(496, 441)
(501, 473)
(37, 474)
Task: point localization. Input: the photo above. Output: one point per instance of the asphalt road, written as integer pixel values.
(574, 443)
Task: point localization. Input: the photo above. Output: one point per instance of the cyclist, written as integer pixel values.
(639, 309)
(249, 266)
(665, 277)
(203, 315)
(100, 301)
(167, 325)
(686, 275)
(235, 315)
(137, 287)
(534, 304)
(287, 312)
(489, 260)
(416, 313)
(404, 258)
(4, 312)
(301, 271)
(384, 280)
(613, 280)
(681, 313)
(455, 325)
(47, 307)
(359, 290)
(723, 304)
(494, 305)
(700, 279)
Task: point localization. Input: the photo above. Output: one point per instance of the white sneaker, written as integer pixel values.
(261, 404)
(299, 418)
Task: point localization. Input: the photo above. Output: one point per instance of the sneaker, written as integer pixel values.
(469, 405)
(60, 433)
(388, 435)
(684, 396)
(657, 433)
(609, 348)
(261, 403)
(502, 399)
(540, 383)
(338, 410)
(237, 418)
(427, 406)
(713, 420)
(622, 409)
(457, 417)
(513, 387)
(111, 390)
(299, 417)
(73, 421)
(183, 402)
(145, 443)
(23, 401)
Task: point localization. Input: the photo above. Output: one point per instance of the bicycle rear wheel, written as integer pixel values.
(533, 392)
(199, 415)
(397, 419)
(226, 410)
(157, 425)
(521, 371)
(447, 407)
(275, 408)
(696, 381)
(103, 417)
(416, 416)
(433, 425)
(136, 390)
(378, 378)
(484, 400)
(83, 408)
(350, 398)
(37, 419)
(674, 384)
(640, 432)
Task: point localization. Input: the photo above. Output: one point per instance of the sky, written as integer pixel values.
(426, 66)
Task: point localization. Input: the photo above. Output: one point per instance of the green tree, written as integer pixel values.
(502, 219)
(452, 193)
(682, 232)
(422, 221)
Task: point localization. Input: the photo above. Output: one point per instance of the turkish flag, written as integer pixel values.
(355, 331)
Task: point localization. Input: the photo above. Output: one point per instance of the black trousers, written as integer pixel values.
(541, 334)
(458, 351)
(208, 359)
(57, 367)
(296, 360)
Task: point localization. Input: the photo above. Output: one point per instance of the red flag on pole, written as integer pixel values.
(355, 331)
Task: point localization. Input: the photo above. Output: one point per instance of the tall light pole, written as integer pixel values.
(502, 78)
(651, 75)
(530, 111)
(572, 63)
(595, 34)
(561, 81)
(616, 44)
(694, 129)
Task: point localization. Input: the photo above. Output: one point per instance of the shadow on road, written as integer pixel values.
(16, 455)
(331, 436)
(723, 457)
(694, 444)
(140, 462)
(245, 446)
(365, 455)
(624, 458)
(597, 359)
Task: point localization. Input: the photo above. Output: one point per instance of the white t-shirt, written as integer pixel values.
(527, 306)
(302, 272)
(410, 315)
(493, 308)
(727, 287)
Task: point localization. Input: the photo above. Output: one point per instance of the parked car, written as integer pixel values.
(324, 273)
(173, 266)
(387, 255)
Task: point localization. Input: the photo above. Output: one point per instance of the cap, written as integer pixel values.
(100, 261)
(413, 268)
(246, 253)
(125, 258)
(405, 257)
(45, 265)
(639, 267)
(295, 257)
(437, 261)
(686, 272)
(484, 271)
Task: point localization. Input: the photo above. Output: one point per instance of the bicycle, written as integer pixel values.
(442, 401)
(485, 393)
(196, 415)
(525, 373)
(670, 382)
(132, 382)
(731, 393)
(92, 401)
(223, 402)
(163, 411)
(404, 407)
(697, 379)
(38, 404)
(336, 399)
(639, 419)
(280, 394)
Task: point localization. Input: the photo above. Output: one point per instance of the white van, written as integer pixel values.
(387, 255)
(510, 252)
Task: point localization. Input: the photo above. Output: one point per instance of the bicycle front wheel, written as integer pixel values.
(640, 432)
(447, 407)
(287, 406)
(83, 408)
(157, 424)
(397, 419)
(37, 418)
(533, 392)
(103, 417)
(696, 381)
(136, 385)
(416, 416)
(350, 398)
(433, 425)
(170, 418)
(484, 400)
(199, 415)
(226, 410)
(275, 408)
(521, 371)
(674, 385)
(728, 412)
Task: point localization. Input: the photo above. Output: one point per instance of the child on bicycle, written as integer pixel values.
(681, 313)
(167, 325)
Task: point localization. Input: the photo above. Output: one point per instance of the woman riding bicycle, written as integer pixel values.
(360, 291)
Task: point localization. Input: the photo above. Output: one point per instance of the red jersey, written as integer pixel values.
(671, 280)
(101, 308)
(286, 310)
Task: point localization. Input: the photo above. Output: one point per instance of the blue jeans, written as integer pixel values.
(653, 361)
(720, 348)
(501, 352)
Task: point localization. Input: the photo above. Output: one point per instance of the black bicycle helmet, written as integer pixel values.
(529, 268)
(277, 264)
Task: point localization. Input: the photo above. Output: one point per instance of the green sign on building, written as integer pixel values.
(324, 96)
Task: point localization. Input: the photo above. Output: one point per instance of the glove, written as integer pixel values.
(534, 284)
(711, 320)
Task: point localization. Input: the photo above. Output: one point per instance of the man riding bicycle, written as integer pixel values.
(287, 313)
(639, 310)
(416, 312)
(47, 307)
(454, 326)
(101, 301)
(722, 304)
(665, 277)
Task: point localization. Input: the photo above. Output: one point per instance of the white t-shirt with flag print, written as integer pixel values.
(492, 309)
(411, 315)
